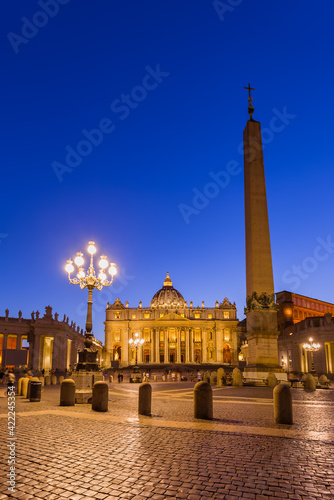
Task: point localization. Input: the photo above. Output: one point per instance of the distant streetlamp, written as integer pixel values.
(136, 343)
(87, 357)
(311, 347)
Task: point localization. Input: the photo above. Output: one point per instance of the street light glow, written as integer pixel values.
(91, 249)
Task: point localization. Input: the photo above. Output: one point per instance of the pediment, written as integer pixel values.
(172, 317)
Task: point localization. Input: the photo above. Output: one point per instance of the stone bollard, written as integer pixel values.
(100, 396)
(220, 377)
(111, 379)
(24, 387)
(47, 380)
(271, 379)
(54, 380)
(19, 386)
(154, 378)
(237, 378)
(164, 378)
(41, 378)
(309, 382)
(323, 381)
(145, 399)
(61, 379)
(203, 405)
(282, 404)
(213, 378)
(67, 392)
(206, 377)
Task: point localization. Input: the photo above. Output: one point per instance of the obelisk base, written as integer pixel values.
(261, 354)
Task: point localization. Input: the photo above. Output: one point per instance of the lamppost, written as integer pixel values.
(136, 342)
(311, 347)
(87, 357)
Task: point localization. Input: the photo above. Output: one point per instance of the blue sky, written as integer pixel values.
(163, 84)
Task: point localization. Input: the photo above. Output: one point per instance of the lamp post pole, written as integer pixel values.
(311, 347)
(136, 342)
(89, 280)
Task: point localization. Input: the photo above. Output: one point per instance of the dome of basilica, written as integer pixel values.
(167, 296)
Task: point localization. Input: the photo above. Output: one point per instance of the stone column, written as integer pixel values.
(62, 353)
(4, 346)
(218, 342)
(18, 341)
(32, 338)
(125, 335)
(140, 354)
(204, 346)
(191, 346)
(178, 346)
(107, 353)
(157, 345)
(166, 357)
(55, 353)
(234, 343)
(187, 346)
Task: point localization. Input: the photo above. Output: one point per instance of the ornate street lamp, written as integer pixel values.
(87, 357)
(136, 342)
(311, 347)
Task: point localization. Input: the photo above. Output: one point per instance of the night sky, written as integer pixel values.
(118, 117)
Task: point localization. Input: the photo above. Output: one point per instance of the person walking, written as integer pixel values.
(11, 379)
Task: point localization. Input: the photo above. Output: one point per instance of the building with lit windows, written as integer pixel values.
(301, 318)
(173, 331)
(40, 342)
(293, 308)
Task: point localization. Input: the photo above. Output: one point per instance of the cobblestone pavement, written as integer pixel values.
(75, 453)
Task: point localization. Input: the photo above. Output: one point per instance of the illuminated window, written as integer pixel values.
(182, 315)
(226, 315)
(133, 316)
(161, 315)
(117, 315)
(147, 315)
(227, 334)
(197, 315)
(11, 342)
(183, 336)
(209, 316)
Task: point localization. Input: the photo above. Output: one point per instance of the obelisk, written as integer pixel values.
(261, 312)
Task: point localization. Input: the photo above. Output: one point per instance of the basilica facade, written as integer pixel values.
(172, 331)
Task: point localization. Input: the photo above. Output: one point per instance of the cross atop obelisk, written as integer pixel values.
(250, 99)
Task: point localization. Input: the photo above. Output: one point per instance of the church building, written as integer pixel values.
(172, 332)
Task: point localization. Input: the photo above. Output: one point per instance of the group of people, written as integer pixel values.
(8, 377)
